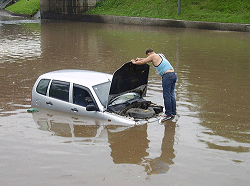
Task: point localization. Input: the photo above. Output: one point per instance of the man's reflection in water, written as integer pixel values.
(161, 164)
(131, 146)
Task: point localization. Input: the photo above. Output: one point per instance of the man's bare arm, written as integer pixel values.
(141, 61)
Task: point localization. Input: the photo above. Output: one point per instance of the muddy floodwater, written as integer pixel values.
(208, 143)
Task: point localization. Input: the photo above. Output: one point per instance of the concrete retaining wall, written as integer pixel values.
(165, 22)
(63, 9)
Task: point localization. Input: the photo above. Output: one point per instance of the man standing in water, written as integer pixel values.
(166, 71)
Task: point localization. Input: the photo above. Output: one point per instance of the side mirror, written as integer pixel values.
(91, 108)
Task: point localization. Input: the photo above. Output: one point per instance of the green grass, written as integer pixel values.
(228, 11)
(25, 7)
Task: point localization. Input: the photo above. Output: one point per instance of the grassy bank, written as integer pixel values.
(25, 7)
(227, 11)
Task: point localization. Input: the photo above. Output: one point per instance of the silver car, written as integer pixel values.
(116, 98)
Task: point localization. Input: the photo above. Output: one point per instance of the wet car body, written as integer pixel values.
(116, 98)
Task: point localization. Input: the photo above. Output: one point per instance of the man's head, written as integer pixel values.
(149, 51)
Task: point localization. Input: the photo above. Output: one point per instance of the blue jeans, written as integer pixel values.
(168, 84)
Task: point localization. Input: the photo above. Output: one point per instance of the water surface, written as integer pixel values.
(208, 142)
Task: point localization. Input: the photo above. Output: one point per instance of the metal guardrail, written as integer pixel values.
(4, 3)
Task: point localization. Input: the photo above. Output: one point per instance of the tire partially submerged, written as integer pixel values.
(139, 113)
(138, 109)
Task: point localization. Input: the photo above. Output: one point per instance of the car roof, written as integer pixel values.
(81, 77)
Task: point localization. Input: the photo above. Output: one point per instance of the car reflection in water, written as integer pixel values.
(129, 144)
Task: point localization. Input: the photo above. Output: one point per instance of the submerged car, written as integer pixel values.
(116, 98)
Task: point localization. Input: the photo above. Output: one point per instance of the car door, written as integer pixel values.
(83, 98)
(58, 96)
(39, 92)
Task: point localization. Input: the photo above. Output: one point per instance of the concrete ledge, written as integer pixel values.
(133, 20)
(248, 28)
(17, 14)
(166, 23)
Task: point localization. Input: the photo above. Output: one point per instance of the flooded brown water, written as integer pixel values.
(208, 143)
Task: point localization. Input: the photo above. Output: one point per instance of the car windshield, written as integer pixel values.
(124, 98)
(102, 92)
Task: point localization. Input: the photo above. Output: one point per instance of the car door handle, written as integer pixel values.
(74, 110)
(49, 103)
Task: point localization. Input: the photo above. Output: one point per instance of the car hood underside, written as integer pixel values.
(132, 78)
(129, 78)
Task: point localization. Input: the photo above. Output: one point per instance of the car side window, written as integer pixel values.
(59, 90)
(81, 96)
(42, 86)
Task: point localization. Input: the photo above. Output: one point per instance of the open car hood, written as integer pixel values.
(129, 78)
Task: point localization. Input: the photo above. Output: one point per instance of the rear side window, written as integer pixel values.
(42, 86)
(59, 90)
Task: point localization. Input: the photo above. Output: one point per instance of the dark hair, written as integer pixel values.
(149, 50)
